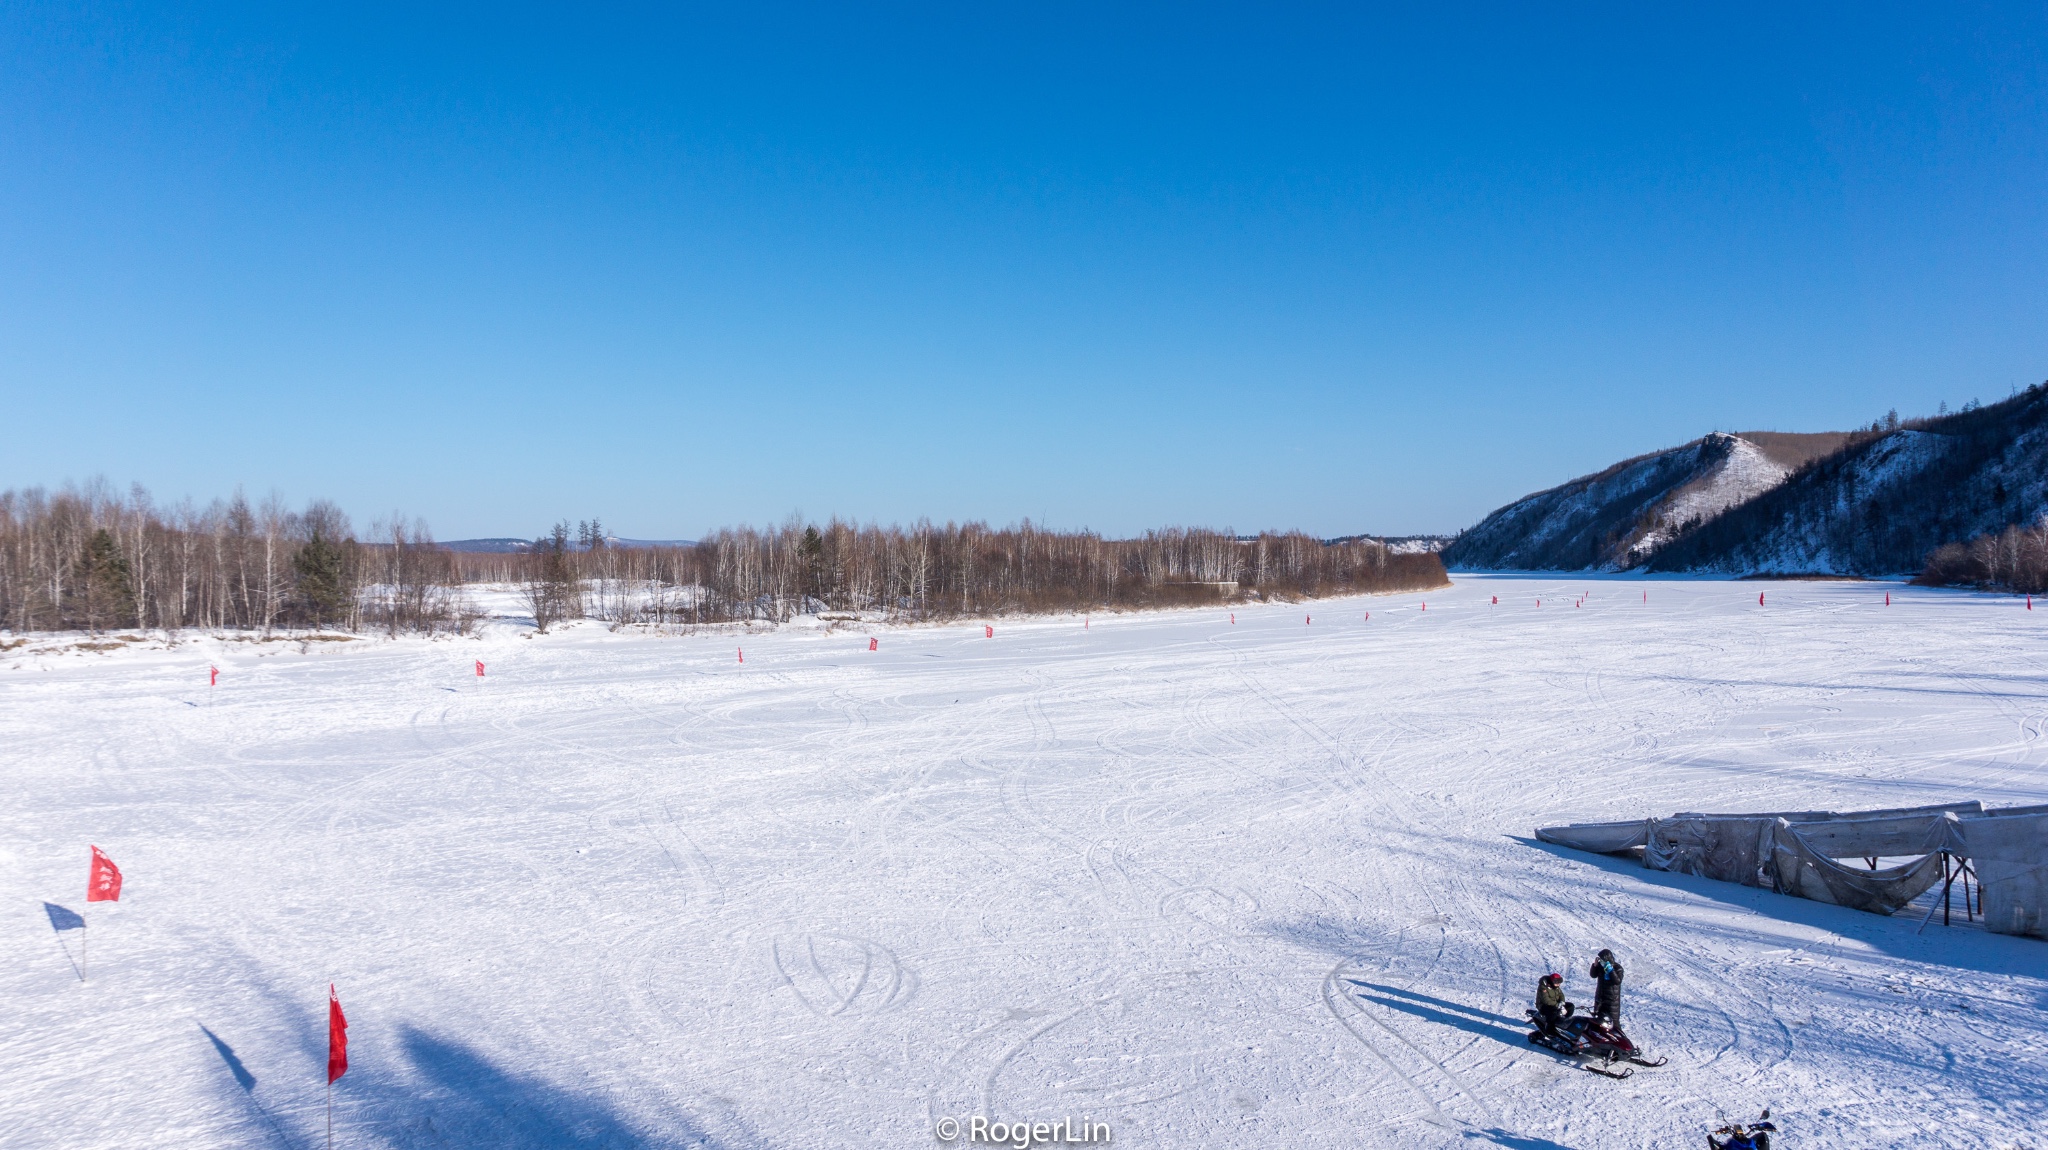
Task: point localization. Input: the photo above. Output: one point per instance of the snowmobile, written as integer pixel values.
(1589, 1037)
(1736, 1136)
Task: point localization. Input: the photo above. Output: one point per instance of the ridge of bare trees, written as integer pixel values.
(2015, 560)
(88, 558)
(925, 571)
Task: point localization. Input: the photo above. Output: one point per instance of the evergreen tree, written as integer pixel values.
(323, 583)
(103, 595)
(810, 555)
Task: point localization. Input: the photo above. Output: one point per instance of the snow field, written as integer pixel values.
(1253, 885)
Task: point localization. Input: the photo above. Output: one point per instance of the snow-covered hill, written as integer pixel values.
(1618, 518)
(1881, 506)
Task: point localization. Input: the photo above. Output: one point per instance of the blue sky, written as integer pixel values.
(1326, 268)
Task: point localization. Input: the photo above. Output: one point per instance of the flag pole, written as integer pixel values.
(84, 955)
(330, 1114)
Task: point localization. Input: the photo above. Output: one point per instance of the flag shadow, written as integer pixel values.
(455, 1095)
(246, 1081)
(63, 918)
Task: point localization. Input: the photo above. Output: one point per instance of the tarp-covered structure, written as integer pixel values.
(1801, 852)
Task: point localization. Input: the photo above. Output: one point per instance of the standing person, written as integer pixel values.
(1606, 987)
(1550, 1004)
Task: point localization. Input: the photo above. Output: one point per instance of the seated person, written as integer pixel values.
(1550, 1003)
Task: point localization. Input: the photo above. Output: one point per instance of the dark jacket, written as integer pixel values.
(1607, 973)
(1548, 997)
(1607, 987)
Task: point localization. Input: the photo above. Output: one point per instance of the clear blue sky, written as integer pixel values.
(1251, 267)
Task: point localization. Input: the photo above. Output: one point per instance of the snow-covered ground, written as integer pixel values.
(1255, 885)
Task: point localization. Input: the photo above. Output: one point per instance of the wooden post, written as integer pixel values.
(1946, 879)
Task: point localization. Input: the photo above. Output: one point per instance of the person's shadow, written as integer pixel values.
(1443, 1011)
(63, 918)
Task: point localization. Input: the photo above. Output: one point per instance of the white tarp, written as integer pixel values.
(1598, 838)
(1794, 865)
(1796, 853)
(2009, 850)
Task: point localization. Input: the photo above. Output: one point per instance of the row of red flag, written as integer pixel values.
(988, 631)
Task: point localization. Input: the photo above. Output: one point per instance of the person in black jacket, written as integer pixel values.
(1606, 987)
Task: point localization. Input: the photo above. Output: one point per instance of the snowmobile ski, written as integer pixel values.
(1641, 1061)
(1604, 1072)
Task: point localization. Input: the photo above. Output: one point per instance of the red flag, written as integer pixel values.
(1307, 620)
(873, 643)
(1496, 600)
(1887, 598)
(1368, 616)
(1084, 622)
(479, 668)
(743, 653)
(1233, 618)
(212, 676)
(104, 883)
(337, 1037)
(987, 632)
(1425, 606)
(1759, 598)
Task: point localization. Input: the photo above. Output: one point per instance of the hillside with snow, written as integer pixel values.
(1618, 518)
(1882, 505)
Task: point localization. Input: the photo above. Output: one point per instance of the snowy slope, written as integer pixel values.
(1882, 506)
(1733, 477)
(1250, 885)
(1618, 518)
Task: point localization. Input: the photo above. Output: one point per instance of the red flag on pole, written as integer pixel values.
(337, 1037)
(1759, 598)
(1307, 620)
(1368, 616)
(987, 631)
(1496, 600)
(104, 883)
(479, 668)
(212, 676)
(1233, 618)
(873, 644)
(743, 653)
(1887, 598)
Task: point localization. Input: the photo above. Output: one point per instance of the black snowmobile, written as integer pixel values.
(1588, 1038)
(1738, 1136)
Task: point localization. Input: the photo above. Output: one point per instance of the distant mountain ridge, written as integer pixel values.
(1874, 502)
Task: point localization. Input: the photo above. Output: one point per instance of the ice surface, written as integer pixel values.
(1224, 886)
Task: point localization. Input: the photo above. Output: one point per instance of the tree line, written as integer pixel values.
(91, 559)
(2015, 559)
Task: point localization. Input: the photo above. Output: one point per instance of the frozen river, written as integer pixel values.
(1210, 884)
